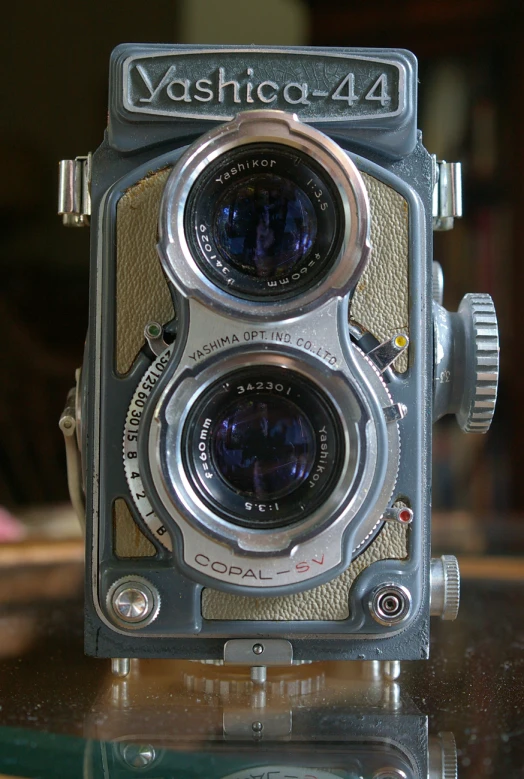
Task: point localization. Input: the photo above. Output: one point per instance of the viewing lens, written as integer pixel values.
(264, 447)
(265, 225)
(264, 220)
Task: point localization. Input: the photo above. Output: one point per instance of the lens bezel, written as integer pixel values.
(290, 164)
(176, 486)
(266, 127)
(220, 496)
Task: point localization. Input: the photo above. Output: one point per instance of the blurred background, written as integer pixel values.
(56, 55)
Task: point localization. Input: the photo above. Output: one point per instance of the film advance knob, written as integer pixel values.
(482, 363)
(467, 362)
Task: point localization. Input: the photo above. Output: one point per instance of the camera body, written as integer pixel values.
(266, 354)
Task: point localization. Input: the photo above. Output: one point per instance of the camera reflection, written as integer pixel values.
(315, 721)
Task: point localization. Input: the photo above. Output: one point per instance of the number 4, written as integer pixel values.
(379, 90)
(349, 85)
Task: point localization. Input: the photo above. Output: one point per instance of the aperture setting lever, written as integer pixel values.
(385, 354)
(74, 191)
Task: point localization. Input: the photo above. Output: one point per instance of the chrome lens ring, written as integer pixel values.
(342, 258)
(263, 221)
(176, 486)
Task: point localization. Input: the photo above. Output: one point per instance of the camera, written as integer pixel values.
(267, 351)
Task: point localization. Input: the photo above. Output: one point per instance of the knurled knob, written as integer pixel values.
(449, 756)
(451, 587)
(445, 587)
(442, 757)
(481, 357)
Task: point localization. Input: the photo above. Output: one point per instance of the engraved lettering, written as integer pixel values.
(202, 85)
(202, 560)
(320, 467)
(179, 82)
(262, 94)
(368, 89)
(223, 84)
(302, 96)
(379, 91)
(347, 84)
(249, 87)
(154, 91)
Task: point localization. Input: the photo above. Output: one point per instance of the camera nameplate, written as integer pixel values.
(333, 88)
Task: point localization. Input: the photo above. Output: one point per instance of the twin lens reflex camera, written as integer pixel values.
(267, 352)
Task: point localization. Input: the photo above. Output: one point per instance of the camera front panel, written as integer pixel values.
(251, 458)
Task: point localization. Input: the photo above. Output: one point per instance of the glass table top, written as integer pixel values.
(64, 715)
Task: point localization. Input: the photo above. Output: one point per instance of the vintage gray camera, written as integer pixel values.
(266, 354)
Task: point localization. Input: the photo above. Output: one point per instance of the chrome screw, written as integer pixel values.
(258, 649)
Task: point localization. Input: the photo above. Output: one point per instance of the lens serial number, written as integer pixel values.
(263, 386)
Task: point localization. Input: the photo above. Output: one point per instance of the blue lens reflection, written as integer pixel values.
(264, 447)
(264, 225)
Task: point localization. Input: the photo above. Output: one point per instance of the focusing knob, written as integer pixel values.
(467, 362)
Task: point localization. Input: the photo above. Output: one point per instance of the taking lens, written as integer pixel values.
(264, 447)
(265, 225)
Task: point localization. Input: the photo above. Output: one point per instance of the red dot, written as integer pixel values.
(405, 515)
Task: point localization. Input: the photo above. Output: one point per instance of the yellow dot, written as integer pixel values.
(401, 341)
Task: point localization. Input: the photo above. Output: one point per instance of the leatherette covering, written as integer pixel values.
(128, 539)
(142, 293)
(328, 602)
(381, 299)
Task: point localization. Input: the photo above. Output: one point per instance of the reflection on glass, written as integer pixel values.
(265, 225)
(264, 446)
